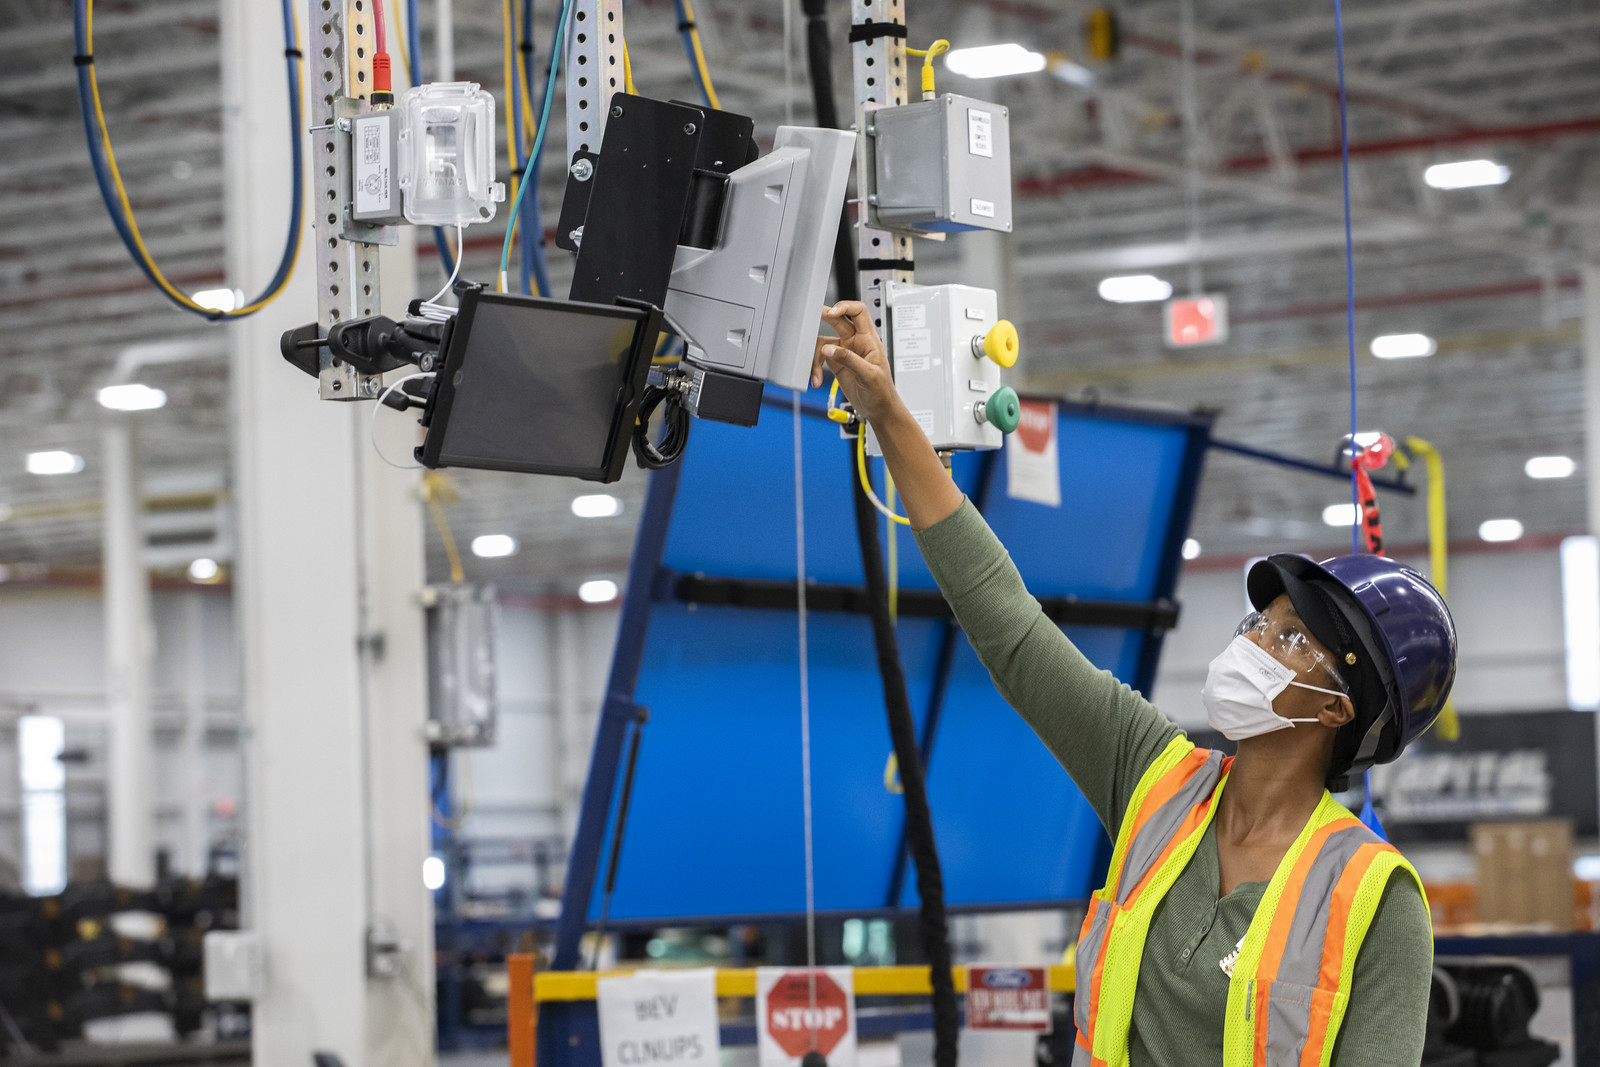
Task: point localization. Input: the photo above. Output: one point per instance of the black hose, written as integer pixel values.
(902, 727)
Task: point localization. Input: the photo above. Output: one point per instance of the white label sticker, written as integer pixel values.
(372, 185)
(983, 208)
(977, 385)
(925, 420)
(980, 133)
(975, 314)
(910, 316)
(913, 343)
(911, 365)
(659, 1017)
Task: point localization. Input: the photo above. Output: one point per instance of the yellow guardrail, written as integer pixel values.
(741, 982)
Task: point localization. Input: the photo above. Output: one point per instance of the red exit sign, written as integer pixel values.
(1198, 320)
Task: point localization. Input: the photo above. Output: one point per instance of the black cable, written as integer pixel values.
(675, 428)
(902, 727)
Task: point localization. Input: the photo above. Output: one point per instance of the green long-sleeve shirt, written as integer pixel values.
(1106, 735)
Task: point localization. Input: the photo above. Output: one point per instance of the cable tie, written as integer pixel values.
(870, 31)
(886, 264)
(527, 47)
(686, 26)
(293, 53)
(83, 61)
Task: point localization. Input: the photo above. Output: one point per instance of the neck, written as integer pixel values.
(1274, 785)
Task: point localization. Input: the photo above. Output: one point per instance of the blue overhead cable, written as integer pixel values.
(106, 183)
(534, 267)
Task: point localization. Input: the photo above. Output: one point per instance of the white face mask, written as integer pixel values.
(1240, 687)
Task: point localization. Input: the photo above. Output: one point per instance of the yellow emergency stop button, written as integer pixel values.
(1001, 343)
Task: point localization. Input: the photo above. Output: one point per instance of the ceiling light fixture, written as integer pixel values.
(1550, 467)
(1466, 174)
(1191, 549)
(493, 546)
(993, 61)
(1339, 515)
(132, 397)
(54, 463)
(204, 570)
(1499, 530)
(597, 591)
(1134, 289)
(596, 506)
(1404, 346)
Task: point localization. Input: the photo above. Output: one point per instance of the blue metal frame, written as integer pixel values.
(644, 581)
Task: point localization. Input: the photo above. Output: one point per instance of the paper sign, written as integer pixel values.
(792, 1017)
(1008, 998)
(659, 1017)
(1033, 471)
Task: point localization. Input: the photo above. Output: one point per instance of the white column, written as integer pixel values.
(1591, 353)
(328, 559)
(196, 798)
(130, 803)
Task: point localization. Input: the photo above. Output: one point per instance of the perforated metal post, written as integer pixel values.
(594, 70)
(346, 256)
(881, 80)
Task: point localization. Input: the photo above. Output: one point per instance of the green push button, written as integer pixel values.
(1003, 410)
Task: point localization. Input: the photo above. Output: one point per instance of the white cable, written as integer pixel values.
(805, 699)
(461, 246)
(372, 429)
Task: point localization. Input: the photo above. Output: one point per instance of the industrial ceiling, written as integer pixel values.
(1242, 198)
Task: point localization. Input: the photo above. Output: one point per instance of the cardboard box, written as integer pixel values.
(1525, 873)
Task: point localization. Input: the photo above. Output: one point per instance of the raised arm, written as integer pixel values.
(1101, 731)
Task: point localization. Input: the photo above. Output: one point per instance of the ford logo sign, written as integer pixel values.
(1006, 979)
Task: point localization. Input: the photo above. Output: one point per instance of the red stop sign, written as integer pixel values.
(1037, 420)
(792, 1020)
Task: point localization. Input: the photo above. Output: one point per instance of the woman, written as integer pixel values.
(1254, 924)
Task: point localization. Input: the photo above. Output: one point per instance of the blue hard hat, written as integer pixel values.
(1392, 637)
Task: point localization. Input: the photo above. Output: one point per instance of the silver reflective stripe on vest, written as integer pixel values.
(1158, 831)
(1290, 996)
(1090, 945)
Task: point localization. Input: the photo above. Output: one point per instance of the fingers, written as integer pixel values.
(817, 365)
(842, 360)
(851, 315)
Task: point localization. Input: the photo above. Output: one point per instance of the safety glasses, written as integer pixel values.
(1288, 643)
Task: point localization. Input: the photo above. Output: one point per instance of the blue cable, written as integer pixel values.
(103, 179)
(538, 138)
(688, 48)
(1349, 272)
(1368, 815)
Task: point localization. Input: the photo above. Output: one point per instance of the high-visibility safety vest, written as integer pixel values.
(1291, 979)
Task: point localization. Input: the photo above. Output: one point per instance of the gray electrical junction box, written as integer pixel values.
(942, 165)
(374, 177)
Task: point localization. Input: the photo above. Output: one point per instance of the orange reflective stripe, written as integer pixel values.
(1344, 895)
(1162, 791)
(1282, 921)
(1190, 826)
(1283, 918)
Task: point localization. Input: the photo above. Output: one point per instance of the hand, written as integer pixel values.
(857, 359)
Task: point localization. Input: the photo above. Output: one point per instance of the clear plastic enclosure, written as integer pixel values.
(447, 154)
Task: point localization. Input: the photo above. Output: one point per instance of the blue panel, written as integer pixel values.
(1118, 483)
(1011, 826)
(716, 828)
